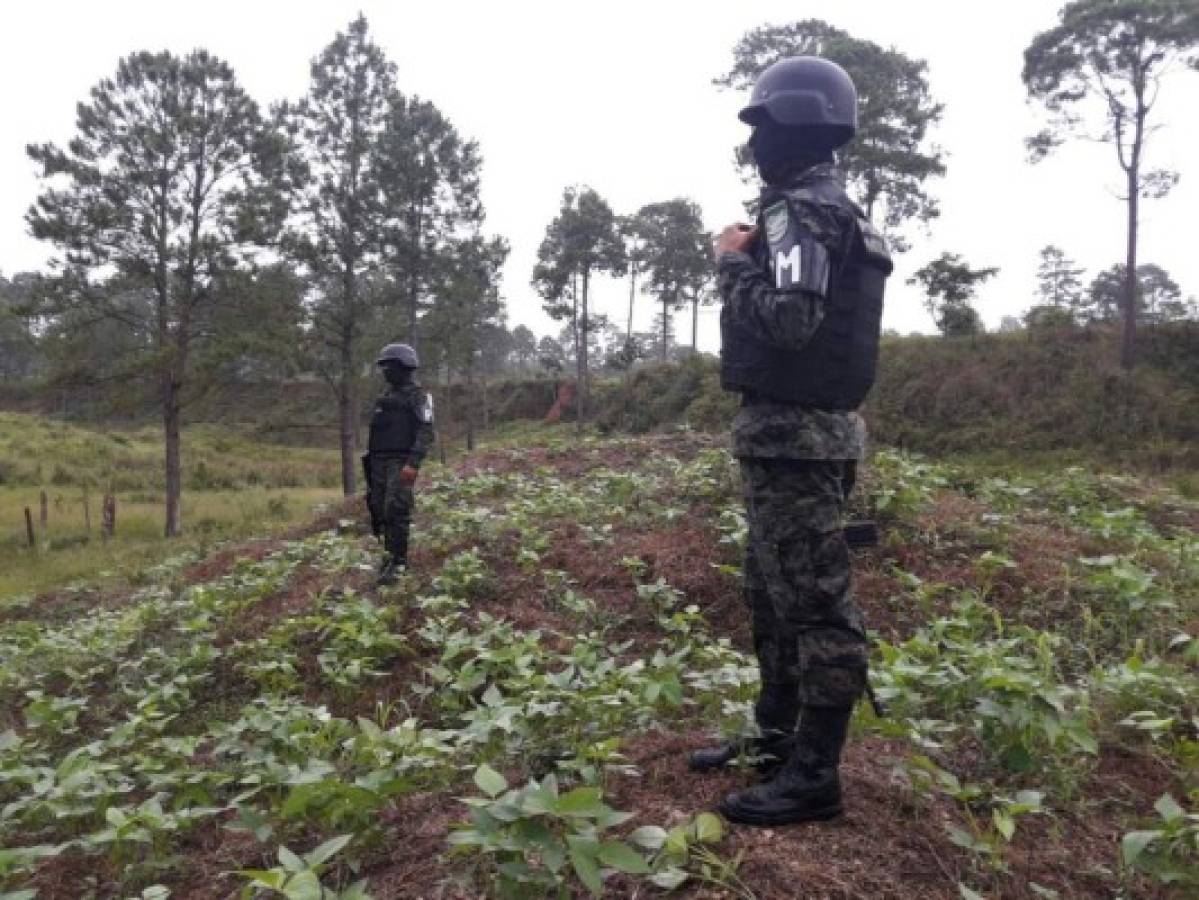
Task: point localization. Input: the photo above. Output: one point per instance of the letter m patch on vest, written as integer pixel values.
(786, 257)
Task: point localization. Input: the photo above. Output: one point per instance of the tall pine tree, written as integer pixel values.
(1112, 55)
(583, 240)
(677, 260)
(162, 190)
(429, 193)
(338, 229)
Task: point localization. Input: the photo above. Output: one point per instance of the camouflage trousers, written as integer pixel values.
(807, 630)
(391, 503)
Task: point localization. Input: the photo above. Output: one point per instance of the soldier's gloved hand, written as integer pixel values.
(408, 474)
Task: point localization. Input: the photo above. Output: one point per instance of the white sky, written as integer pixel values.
(618, 95)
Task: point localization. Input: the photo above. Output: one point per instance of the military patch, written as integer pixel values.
(777, 219)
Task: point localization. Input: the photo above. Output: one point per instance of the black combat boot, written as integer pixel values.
(388, 572)
(808, 787)
(398, 546)
(769, 751)
(396, 558)
(776, 712)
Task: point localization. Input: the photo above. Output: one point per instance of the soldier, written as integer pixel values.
(802, 292)
(400, 437)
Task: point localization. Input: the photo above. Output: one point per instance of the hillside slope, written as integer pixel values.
(574, 618)
(1046, 391)
(233, 487)
(1003, 394)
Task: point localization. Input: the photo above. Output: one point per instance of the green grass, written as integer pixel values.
(68, 553)
(43, 452)
(234, 487)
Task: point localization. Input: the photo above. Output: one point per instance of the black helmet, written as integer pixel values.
(399, 353)
(805, 91)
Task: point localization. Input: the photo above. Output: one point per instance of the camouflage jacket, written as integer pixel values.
(762, 428)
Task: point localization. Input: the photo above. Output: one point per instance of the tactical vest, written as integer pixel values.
(836, 368)
(393, 425)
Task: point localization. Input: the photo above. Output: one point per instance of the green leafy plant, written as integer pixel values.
(534, 838)
(1169, 852)
(685, 852)
(298, 877)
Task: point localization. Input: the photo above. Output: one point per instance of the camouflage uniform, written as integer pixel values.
(401, 435)
(797, 468)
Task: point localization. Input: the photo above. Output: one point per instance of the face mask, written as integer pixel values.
(397, 375)
(778, 149)
(771, 146)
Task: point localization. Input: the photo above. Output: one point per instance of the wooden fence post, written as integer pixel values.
(108, 516)
(29, 528)
(43, 514)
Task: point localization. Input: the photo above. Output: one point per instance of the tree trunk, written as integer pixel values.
(1133, 170)
(665, 328)
(583, 400)
(347, 396)
(174, 474)
(470, 407)
(632, 296)
(483, 392)
(1129, 332)
(347, 421)
(872, 192)
(413, 282)
(585, 345)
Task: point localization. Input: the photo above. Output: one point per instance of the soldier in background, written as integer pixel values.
(802, 292)
(401, 434)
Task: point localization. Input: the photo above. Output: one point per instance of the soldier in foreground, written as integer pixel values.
(803, 293)
(400, 437)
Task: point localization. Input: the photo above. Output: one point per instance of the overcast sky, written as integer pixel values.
(618, 95)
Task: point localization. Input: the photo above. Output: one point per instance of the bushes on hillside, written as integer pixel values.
(1047, 389)
(666, 394)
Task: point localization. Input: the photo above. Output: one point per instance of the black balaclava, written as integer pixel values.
(780, 151)
(397, 376)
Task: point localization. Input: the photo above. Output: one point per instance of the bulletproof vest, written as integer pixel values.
(393, 424)
(836, 368)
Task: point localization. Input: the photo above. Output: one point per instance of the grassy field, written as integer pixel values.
(234, 487)
(513, 718)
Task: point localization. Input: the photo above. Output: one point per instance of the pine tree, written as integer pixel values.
(163, 191)
(677, 260)
(1112, 54)
(429, 194)
(583, 240)
(338, 230)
